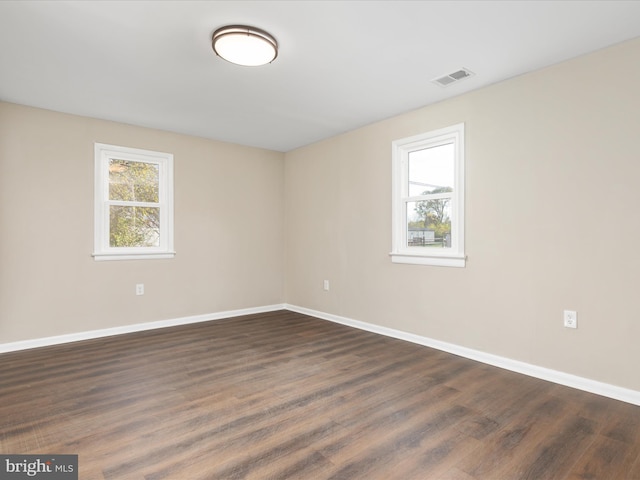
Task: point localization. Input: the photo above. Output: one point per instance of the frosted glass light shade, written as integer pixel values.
(242, 45)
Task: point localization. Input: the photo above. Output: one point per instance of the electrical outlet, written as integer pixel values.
(140, 289)
(326, 285)
(571, 319)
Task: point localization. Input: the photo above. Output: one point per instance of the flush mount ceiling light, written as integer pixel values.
(244, 45)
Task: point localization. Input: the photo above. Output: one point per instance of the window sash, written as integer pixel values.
(102, 245)
(402, 252)
(423, 198)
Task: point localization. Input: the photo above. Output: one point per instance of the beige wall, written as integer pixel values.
(552, 198)
(228, 229)
(552, 166)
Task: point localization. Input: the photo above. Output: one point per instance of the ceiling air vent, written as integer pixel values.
(454, 77)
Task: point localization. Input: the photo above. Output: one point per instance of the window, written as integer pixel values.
(133, 203)
(428, 198)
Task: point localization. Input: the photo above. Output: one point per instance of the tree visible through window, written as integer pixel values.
(134, 212)
(434, 215)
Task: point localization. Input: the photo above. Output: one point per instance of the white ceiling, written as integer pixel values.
(342, 64)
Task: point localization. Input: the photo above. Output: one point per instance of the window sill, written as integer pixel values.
(451, 260)
(100, 257)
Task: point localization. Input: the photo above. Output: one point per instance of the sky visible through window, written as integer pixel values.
(430, 169)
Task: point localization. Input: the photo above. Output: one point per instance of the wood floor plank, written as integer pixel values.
(605, 458)
(286, 396)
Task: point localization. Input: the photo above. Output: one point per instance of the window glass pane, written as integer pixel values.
(429, 223)
(431, 170)
(134, 226)
(133, 181)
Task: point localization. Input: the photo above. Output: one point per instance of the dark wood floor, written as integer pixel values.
(286, 396)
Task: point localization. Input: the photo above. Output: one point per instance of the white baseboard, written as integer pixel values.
(138, 327)
(574, 381)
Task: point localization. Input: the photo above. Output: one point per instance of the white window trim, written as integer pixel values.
(401, 252)
(102, 250)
